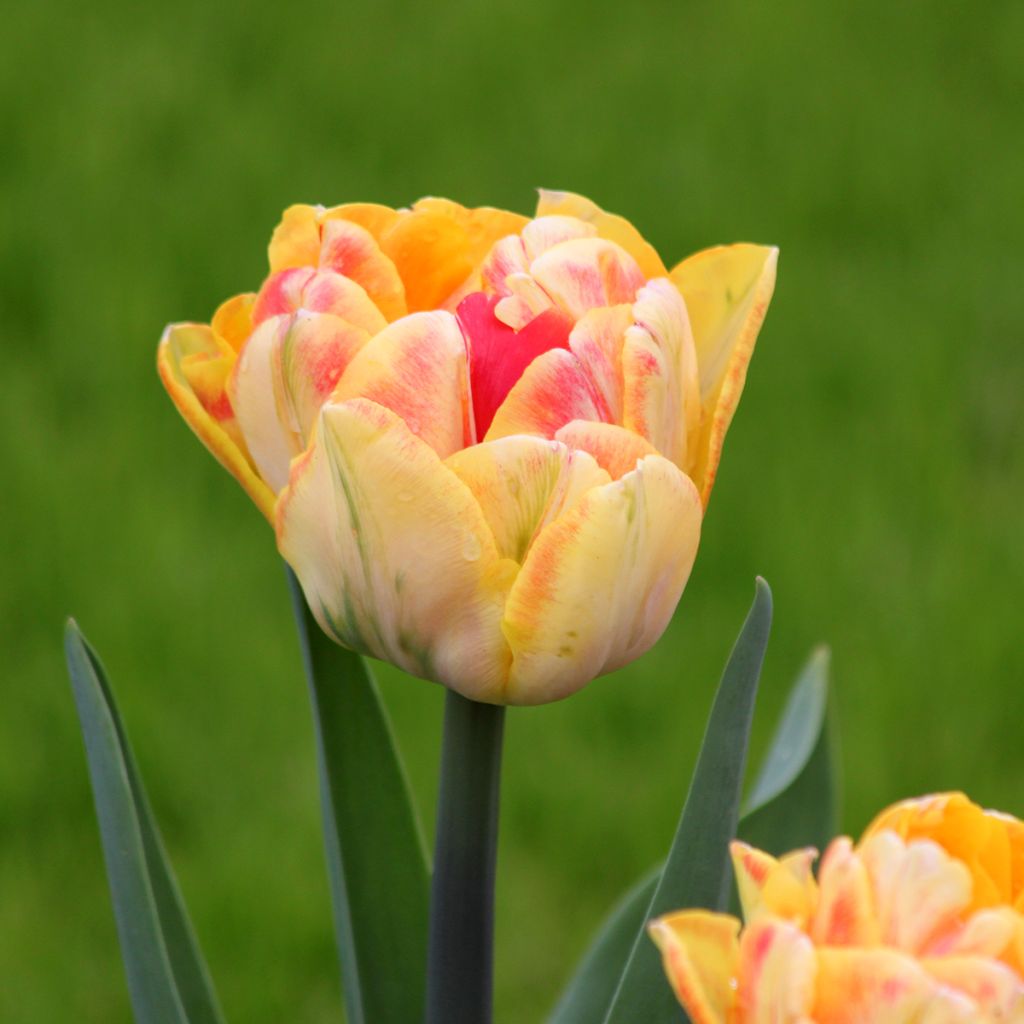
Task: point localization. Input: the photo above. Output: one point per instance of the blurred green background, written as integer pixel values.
(874, 473)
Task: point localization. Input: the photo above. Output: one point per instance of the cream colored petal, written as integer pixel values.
(727, 290)
(700, 951)
(522, 483)
(554, 390)
(600, 583)
(317, 291)
(285, 373)
(920, 891)
(661, 398)
(846, 914)
(586, 273)
(609, 225)
(393, 552)
(597, 341)
(525, 299)
(777, 973)
(995, 989)
(543, 233)
(616, 449)
(417, 368)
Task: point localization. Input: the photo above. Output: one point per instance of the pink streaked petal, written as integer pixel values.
(608, 225)
(699, 952)
(600, 582)
(525, 299)
(783, 888)
(993, 988)
(727, 290)
(554, 390)
(919, 890)
(586, 273)
(417, 368)
(507, 256)
(846, 913)
(318, 291)
(597, 341)
(989, 932)
(544, 233)
(522, 483)
(284, 375)
(777, 972)
(616, 449)
(393, 553)
(661, 398)
(353, 252)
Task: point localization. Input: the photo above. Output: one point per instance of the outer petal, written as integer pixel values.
(661, 399)
(352, 251)
(197, 342)
(599, 584)
(726, 290)
(616, 449)
(609, 225)
(417, 368)
(233, 320)
(700, 952)
(393, 552)
(783, 888)
(285, 373)
(553, 391)
(317, 291)
(777, 969)
(522, 483)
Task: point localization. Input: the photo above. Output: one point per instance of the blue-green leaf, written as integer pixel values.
(697, 872)
(589, 994)
(794, 800)
(376, 858)
(167, 977)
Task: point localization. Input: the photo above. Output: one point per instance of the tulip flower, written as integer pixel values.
(922, 922)
(485, 442)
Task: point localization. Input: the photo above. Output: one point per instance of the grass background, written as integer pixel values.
(874, 473)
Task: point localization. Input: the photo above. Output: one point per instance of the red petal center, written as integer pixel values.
(498, 355)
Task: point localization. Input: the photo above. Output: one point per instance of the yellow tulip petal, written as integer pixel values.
(417, 367)
(616, 449)
(180, 343)
(990, 985)
(393, 552)
(296, 240)
(777, 970)
(784, 888)
(881, 986)
(699, 950)
(522, 483)
(233, 320)
(285, 373)
(727, 290)
(846, 913)
(989, 932)
(586, 273)
(554, 390)
(919, 890)
(609, 225)
(317, 291)
(661, 399)
(600, 583)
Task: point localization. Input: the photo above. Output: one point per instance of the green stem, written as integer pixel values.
(461, 945)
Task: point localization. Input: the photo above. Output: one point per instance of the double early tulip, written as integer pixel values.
(922, 922)
(485, 441)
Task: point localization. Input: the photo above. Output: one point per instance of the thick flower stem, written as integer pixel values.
(461, 943)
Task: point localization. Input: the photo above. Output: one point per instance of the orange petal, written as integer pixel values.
(616, 449)
(727, 290)
(180, 343)
(553, 391)
(417, 368)
(393, 553)
(661, 400)
(600, 583)
(522, 483)
(296, 240)
(777, 969)
(284, 375)
(233, 320)
(700, 952)
(609, 225)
